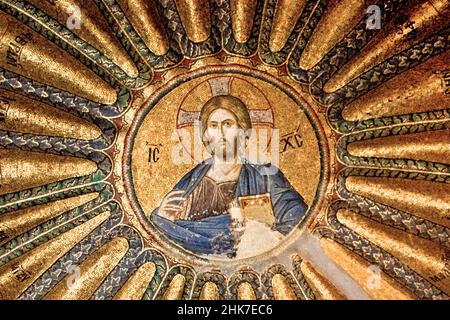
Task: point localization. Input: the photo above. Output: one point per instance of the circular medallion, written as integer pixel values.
(236, 175)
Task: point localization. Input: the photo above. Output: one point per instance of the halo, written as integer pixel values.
(188, 118)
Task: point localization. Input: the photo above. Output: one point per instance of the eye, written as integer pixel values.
(213, 125)
(228, 123)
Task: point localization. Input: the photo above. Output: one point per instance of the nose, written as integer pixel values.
(222, 131)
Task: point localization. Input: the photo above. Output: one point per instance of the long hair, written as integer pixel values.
(229, 103)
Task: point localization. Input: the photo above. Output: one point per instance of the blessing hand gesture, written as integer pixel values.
(172, 206)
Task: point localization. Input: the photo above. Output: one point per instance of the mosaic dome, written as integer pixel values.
(97, 97)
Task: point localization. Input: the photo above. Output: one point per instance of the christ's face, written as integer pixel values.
(221, 134)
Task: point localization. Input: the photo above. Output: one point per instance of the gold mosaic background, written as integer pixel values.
(69, 95)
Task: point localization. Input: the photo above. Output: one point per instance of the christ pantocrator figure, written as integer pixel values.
(204, 212)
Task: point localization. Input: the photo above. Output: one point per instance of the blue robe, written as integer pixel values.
(212, 235)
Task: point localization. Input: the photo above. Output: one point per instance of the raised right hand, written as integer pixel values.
(172, 206)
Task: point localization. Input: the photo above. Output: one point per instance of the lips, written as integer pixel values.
(221, 143)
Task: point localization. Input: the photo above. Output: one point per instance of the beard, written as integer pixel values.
(223, 150)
